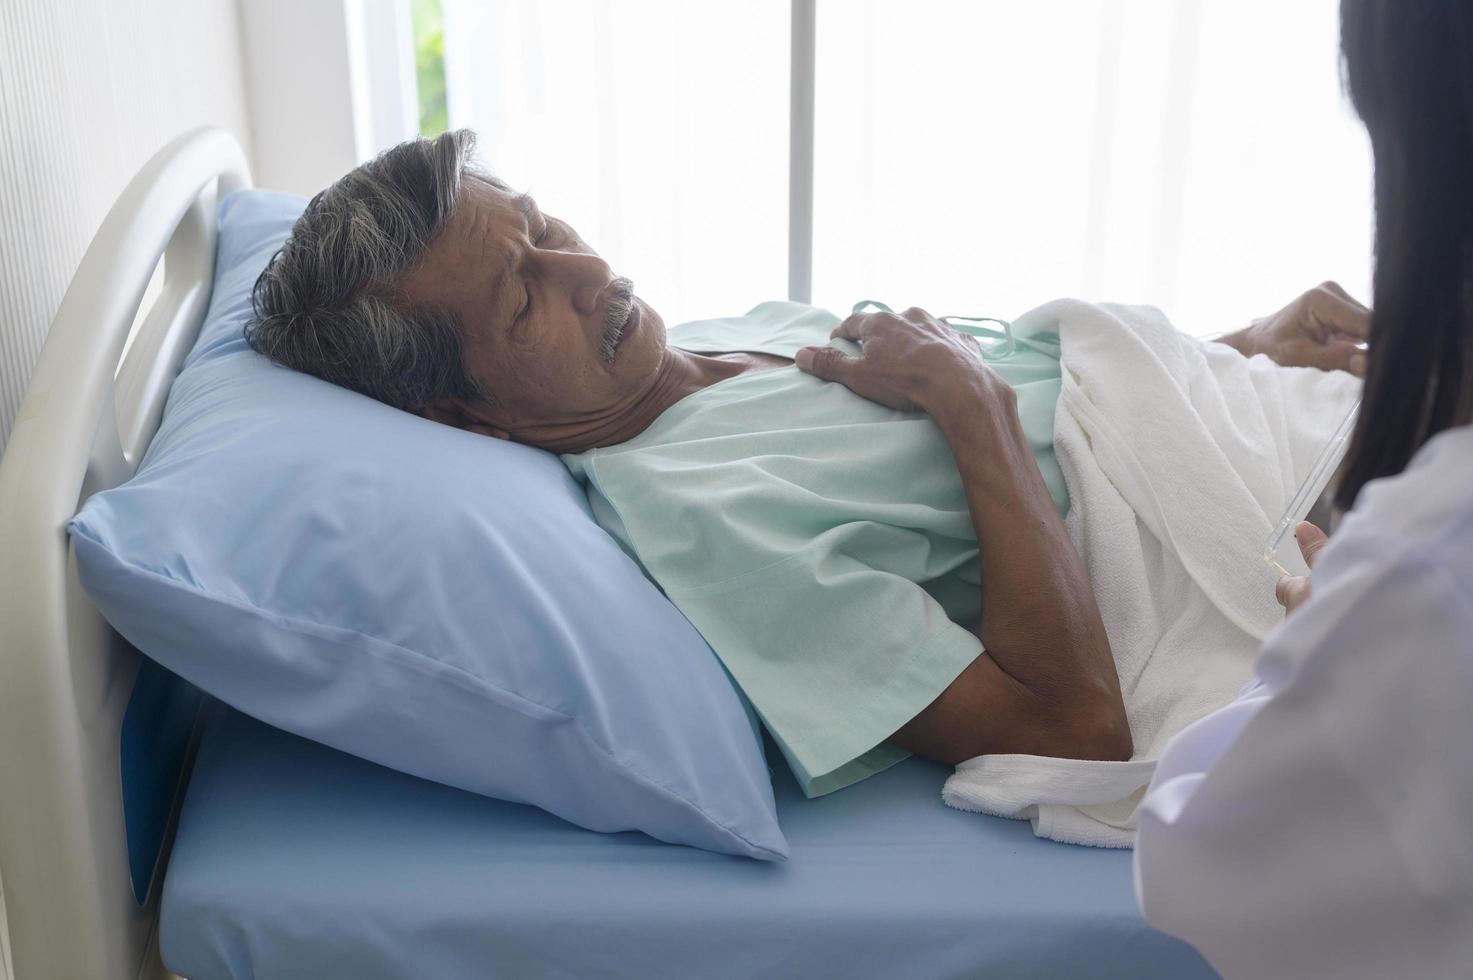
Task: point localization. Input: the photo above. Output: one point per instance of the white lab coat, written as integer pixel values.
(1321, 825)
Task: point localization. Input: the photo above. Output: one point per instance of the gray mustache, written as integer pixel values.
(620, 304)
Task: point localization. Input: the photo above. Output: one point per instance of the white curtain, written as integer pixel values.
(657, 128)
(988, 155)
(972, 156)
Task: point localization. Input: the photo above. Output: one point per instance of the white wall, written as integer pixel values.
(296, 70)
(89, 89)
(330, 83)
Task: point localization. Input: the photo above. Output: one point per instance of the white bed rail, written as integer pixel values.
(65, 676)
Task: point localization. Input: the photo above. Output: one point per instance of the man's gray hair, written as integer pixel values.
(326, 303)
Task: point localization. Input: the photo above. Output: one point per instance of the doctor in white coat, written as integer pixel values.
(1322, 824)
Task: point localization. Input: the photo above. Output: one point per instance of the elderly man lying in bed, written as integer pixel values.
(881, 575)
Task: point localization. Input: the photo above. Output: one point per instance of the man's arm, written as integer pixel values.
(1046, 684)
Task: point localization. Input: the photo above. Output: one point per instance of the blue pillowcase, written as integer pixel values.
(425, 598)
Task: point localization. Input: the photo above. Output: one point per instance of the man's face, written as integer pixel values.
(547, 328)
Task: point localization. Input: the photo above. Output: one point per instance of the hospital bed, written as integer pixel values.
(136, 814)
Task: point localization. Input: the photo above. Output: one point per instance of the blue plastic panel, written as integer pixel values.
(157, 727)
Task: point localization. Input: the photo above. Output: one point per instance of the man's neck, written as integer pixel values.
(681, 373)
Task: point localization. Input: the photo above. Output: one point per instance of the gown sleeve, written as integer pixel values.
(834, 653)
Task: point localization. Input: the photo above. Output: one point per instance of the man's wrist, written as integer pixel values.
(991, 449)
(1240, 341)
(976, 410)
(962, 397)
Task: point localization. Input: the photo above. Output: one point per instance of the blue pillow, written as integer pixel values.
(426, 598)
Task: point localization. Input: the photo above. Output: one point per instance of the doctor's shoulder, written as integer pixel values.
(1428, 506)
(1396, 576)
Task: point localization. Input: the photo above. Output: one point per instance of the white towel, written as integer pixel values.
(1180, 456)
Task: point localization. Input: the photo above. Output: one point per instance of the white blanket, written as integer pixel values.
(1180, 456)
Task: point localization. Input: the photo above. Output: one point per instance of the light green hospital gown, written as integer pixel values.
(819, 541)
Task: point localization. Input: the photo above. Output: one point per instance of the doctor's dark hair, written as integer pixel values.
(1409, 68)
(326, 303)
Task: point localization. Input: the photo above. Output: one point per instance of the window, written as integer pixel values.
(971, 156)
(657, 128)
(429, 66)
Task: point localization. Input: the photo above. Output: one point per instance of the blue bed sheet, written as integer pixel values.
(296, 861)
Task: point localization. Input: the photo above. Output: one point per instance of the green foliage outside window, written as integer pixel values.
(429, 67)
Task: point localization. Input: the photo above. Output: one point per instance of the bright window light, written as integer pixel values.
(972, 156)
(657, 128)
(429, 66)
(987, 156)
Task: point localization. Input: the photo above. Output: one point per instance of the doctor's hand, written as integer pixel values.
(909, 361)
(1292, 591)
(1320, 329)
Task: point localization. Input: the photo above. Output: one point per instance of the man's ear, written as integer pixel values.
(459, 415)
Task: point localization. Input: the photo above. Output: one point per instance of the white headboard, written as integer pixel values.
(65, 676)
